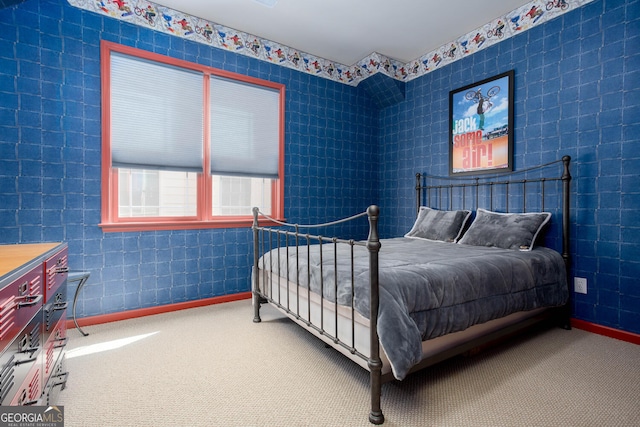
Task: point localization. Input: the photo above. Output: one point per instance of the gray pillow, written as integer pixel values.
(433, 224)
(505, 230)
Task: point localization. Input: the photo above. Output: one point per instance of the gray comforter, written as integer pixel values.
(429, 289)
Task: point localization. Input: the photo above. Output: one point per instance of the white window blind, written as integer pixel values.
(156, 115)
(245, 129)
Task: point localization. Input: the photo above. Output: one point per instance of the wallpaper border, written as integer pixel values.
(172, 22)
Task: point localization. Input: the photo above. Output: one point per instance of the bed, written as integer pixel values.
(486, 257)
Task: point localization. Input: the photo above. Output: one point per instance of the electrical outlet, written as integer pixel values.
(580, 285)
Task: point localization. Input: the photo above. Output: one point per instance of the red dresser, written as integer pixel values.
(33, 311)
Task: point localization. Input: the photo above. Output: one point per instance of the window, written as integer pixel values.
(187, 146)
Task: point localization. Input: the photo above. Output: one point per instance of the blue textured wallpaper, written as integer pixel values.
(577, 93)
(50, 159)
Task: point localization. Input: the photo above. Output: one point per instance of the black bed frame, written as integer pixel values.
(527, 189)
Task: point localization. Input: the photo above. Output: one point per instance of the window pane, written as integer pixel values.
(154, 193)
(245, 129)
(156, 115)
(234, 195)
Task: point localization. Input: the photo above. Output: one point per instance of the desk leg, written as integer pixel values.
(75, 300)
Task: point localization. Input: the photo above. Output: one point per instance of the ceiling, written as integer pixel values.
(346, 31)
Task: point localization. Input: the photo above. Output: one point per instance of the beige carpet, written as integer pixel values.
(212, 366)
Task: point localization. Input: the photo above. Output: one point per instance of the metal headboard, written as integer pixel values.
(526, 189)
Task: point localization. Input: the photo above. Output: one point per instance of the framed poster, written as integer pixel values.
(481, 126)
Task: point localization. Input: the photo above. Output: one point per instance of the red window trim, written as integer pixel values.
(111, 222)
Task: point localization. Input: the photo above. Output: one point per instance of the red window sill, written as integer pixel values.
(181, 225)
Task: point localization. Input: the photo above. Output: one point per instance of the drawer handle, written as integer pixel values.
(63, 382)
(60, 306)
(31, 358)
(27, 403)
(25, 348)
(30, 300)
(62, 343)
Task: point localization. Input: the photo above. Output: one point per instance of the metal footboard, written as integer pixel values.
(279, 242)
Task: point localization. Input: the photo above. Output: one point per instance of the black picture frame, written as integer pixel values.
(481, 126)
